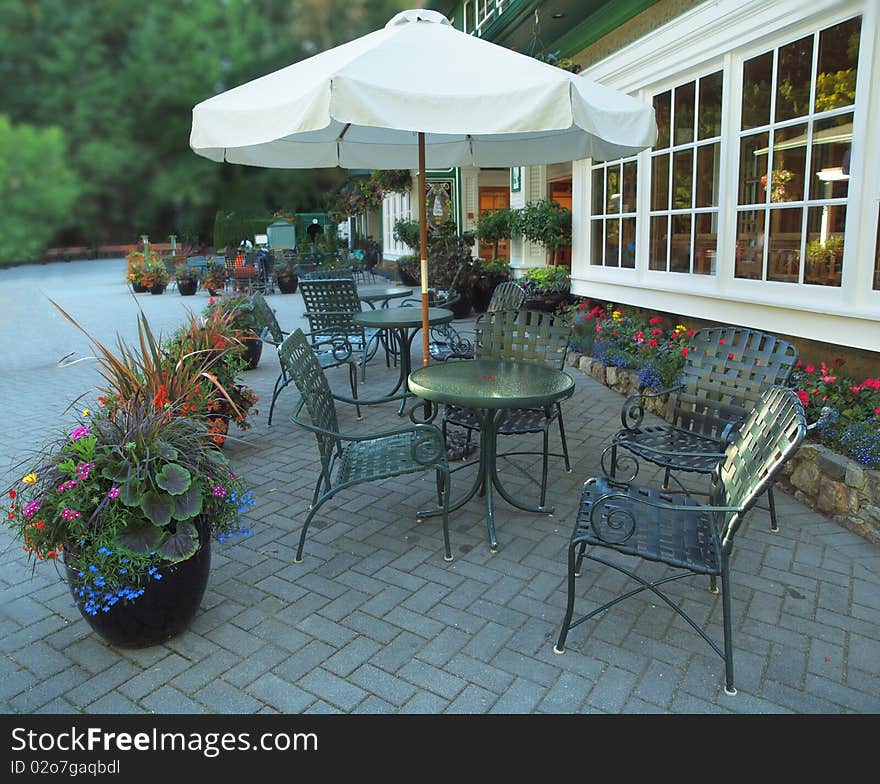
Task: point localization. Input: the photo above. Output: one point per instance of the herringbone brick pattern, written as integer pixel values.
(373, 620)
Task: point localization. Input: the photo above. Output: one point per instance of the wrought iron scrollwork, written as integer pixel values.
(622, 462)
(427, 446)
(611, 523)
(633, 412)
(428, 412)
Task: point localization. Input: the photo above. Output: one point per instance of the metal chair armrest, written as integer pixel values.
(633, 410)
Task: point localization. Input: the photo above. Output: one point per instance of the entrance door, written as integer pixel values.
(560, 191)
(492, 198)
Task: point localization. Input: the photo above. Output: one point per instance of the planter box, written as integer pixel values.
(820, 478)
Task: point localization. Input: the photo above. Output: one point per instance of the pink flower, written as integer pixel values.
(113, 492)
(31, 508)
(877, 411)
(809, 369)
(803, 397)
(80, 432)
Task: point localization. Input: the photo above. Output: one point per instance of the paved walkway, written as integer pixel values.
(373, 620)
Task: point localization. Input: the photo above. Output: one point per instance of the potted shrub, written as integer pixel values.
(137, 272)
(286, 274)
(546, 223)
(244, 319)
(486, 276)
(130, 497)
(214, 277)
(187, 278)
(156, 276)
(547, 288)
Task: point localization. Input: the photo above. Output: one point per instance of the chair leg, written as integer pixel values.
(315, 507)
(666, 474)
(562, 439)
(569, 608)
(353, 383)
(447, 491)
(774, 523)
(729, 688)
(544, 465)
(277, 391)
(580, 559)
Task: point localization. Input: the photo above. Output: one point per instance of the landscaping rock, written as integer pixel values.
(805, 477)
(597, 371)
(832, 464)
(833, 497)
(854, 476)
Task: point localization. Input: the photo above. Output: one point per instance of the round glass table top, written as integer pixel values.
(491, 383)
(389, 318)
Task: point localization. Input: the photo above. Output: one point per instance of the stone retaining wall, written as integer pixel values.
(818, 477)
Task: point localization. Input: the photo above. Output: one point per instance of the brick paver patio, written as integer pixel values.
(373, 620)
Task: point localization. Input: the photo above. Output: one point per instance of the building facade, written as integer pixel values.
(759, 203)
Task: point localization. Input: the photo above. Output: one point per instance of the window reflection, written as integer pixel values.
(838, 60)
(684, 113)
(680, 247)
(659, 241)
(757, 77)
(784, 251)
(709, 118)
(662, 104)
(705, 242)
(660, 182)
(749, 244)
(753, 168)
(824, 255)
(597, 232)
(683, 179)
(793, 79)
(829, 155)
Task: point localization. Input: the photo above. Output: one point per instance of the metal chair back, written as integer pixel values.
(330, 274)
(330, 306)
(300, 364)
(266, 315)
(726, 370)
(506, 296)
(771, 433)
(524, 336)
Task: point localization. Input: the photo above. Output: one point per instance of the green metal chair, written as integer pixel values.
(654, 524)
(330, 273)
(523, 336)
(330, 351)
(357, 459)
(331, 304)
(726, 369)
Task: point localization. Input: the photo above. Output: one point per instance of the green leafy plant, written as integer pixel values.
(493, 226)
(185, 273)
(546, 223)
(540, 281)
(214, 276)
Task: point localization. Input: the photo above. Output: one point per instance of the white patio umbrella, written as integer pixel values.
(419, 94)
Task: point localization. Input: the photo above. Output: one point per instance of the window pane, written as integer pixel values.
(598, 196)
(662, 103)
(789, 161)
(709, 122)
(708, 163)
(838, 60)
(597, 241)
(749, 244)
(628, 248)
(683, 179)
(684, 113)
(825, 245)
(659, 233)
(680, 251)
(757, 74)
(612, 190)
(793, 78)
(630, 175)
(753, 168)
(660, 182)
(784, 252)
(705, 242)
(832, 139)
(612, 242)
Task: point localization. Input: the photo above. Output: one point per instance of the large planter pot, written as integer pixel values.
(139, 288)
(159, 288)
(287, 284)
(164, 610)
(548, 302)
(253, 350)
(187, 288)
(405, 278)
(462, 308)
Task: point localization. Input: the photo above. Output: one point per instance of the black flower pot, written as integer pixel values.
(167, 606)
(548, 302)
(139, 288)
(253, 351)
(482, 295)
(462, 308)
(187, 287)
(159, 288)
(287, 284)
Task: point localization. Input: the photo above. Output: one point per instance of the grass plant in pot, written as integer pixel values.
(129, 498)
(245, 320)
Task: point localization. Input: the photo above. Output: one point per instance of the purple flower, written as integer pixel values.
(113, 492)
(80, 432)
(30, 509)
(219, 491)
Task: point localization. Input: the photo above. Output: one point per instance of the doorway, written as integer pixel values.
(494, 198)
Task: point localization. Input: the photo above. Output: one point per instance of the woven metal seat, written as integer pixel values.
(673, 529)
(333, 351)
(357, 459)
(726, 370)
(523, 336)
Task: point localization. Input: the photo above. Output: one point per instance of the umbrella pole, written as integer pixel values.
(423, 250)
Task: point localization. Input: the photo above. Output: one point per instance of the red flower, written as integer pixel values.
(798, 364)
(730, 356)
(877, 411)
(721, 341)
(12, 494)
(684, 352)
(652, 342)
(656, 331)
(803, 397)
(654, 321)
(161, 397)
(809, 369)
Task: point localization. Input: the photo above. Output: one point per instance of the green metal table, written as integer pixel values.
(382, 294)
(489, 386)
(401, 324)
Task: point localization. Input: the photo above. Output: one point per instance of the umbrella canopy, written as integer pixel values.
(419, 94)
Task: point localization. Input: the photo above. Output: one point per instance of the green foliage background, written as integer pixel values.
(118, 79)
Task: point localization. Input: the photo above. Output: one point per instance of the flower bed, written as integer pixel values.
(835, 471)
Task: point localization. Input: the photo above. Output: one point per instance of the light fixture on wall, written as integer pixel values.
(833, 174)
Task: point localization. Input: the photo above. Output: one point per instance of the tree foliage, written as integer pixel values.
(37, 189)
(120, 78)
